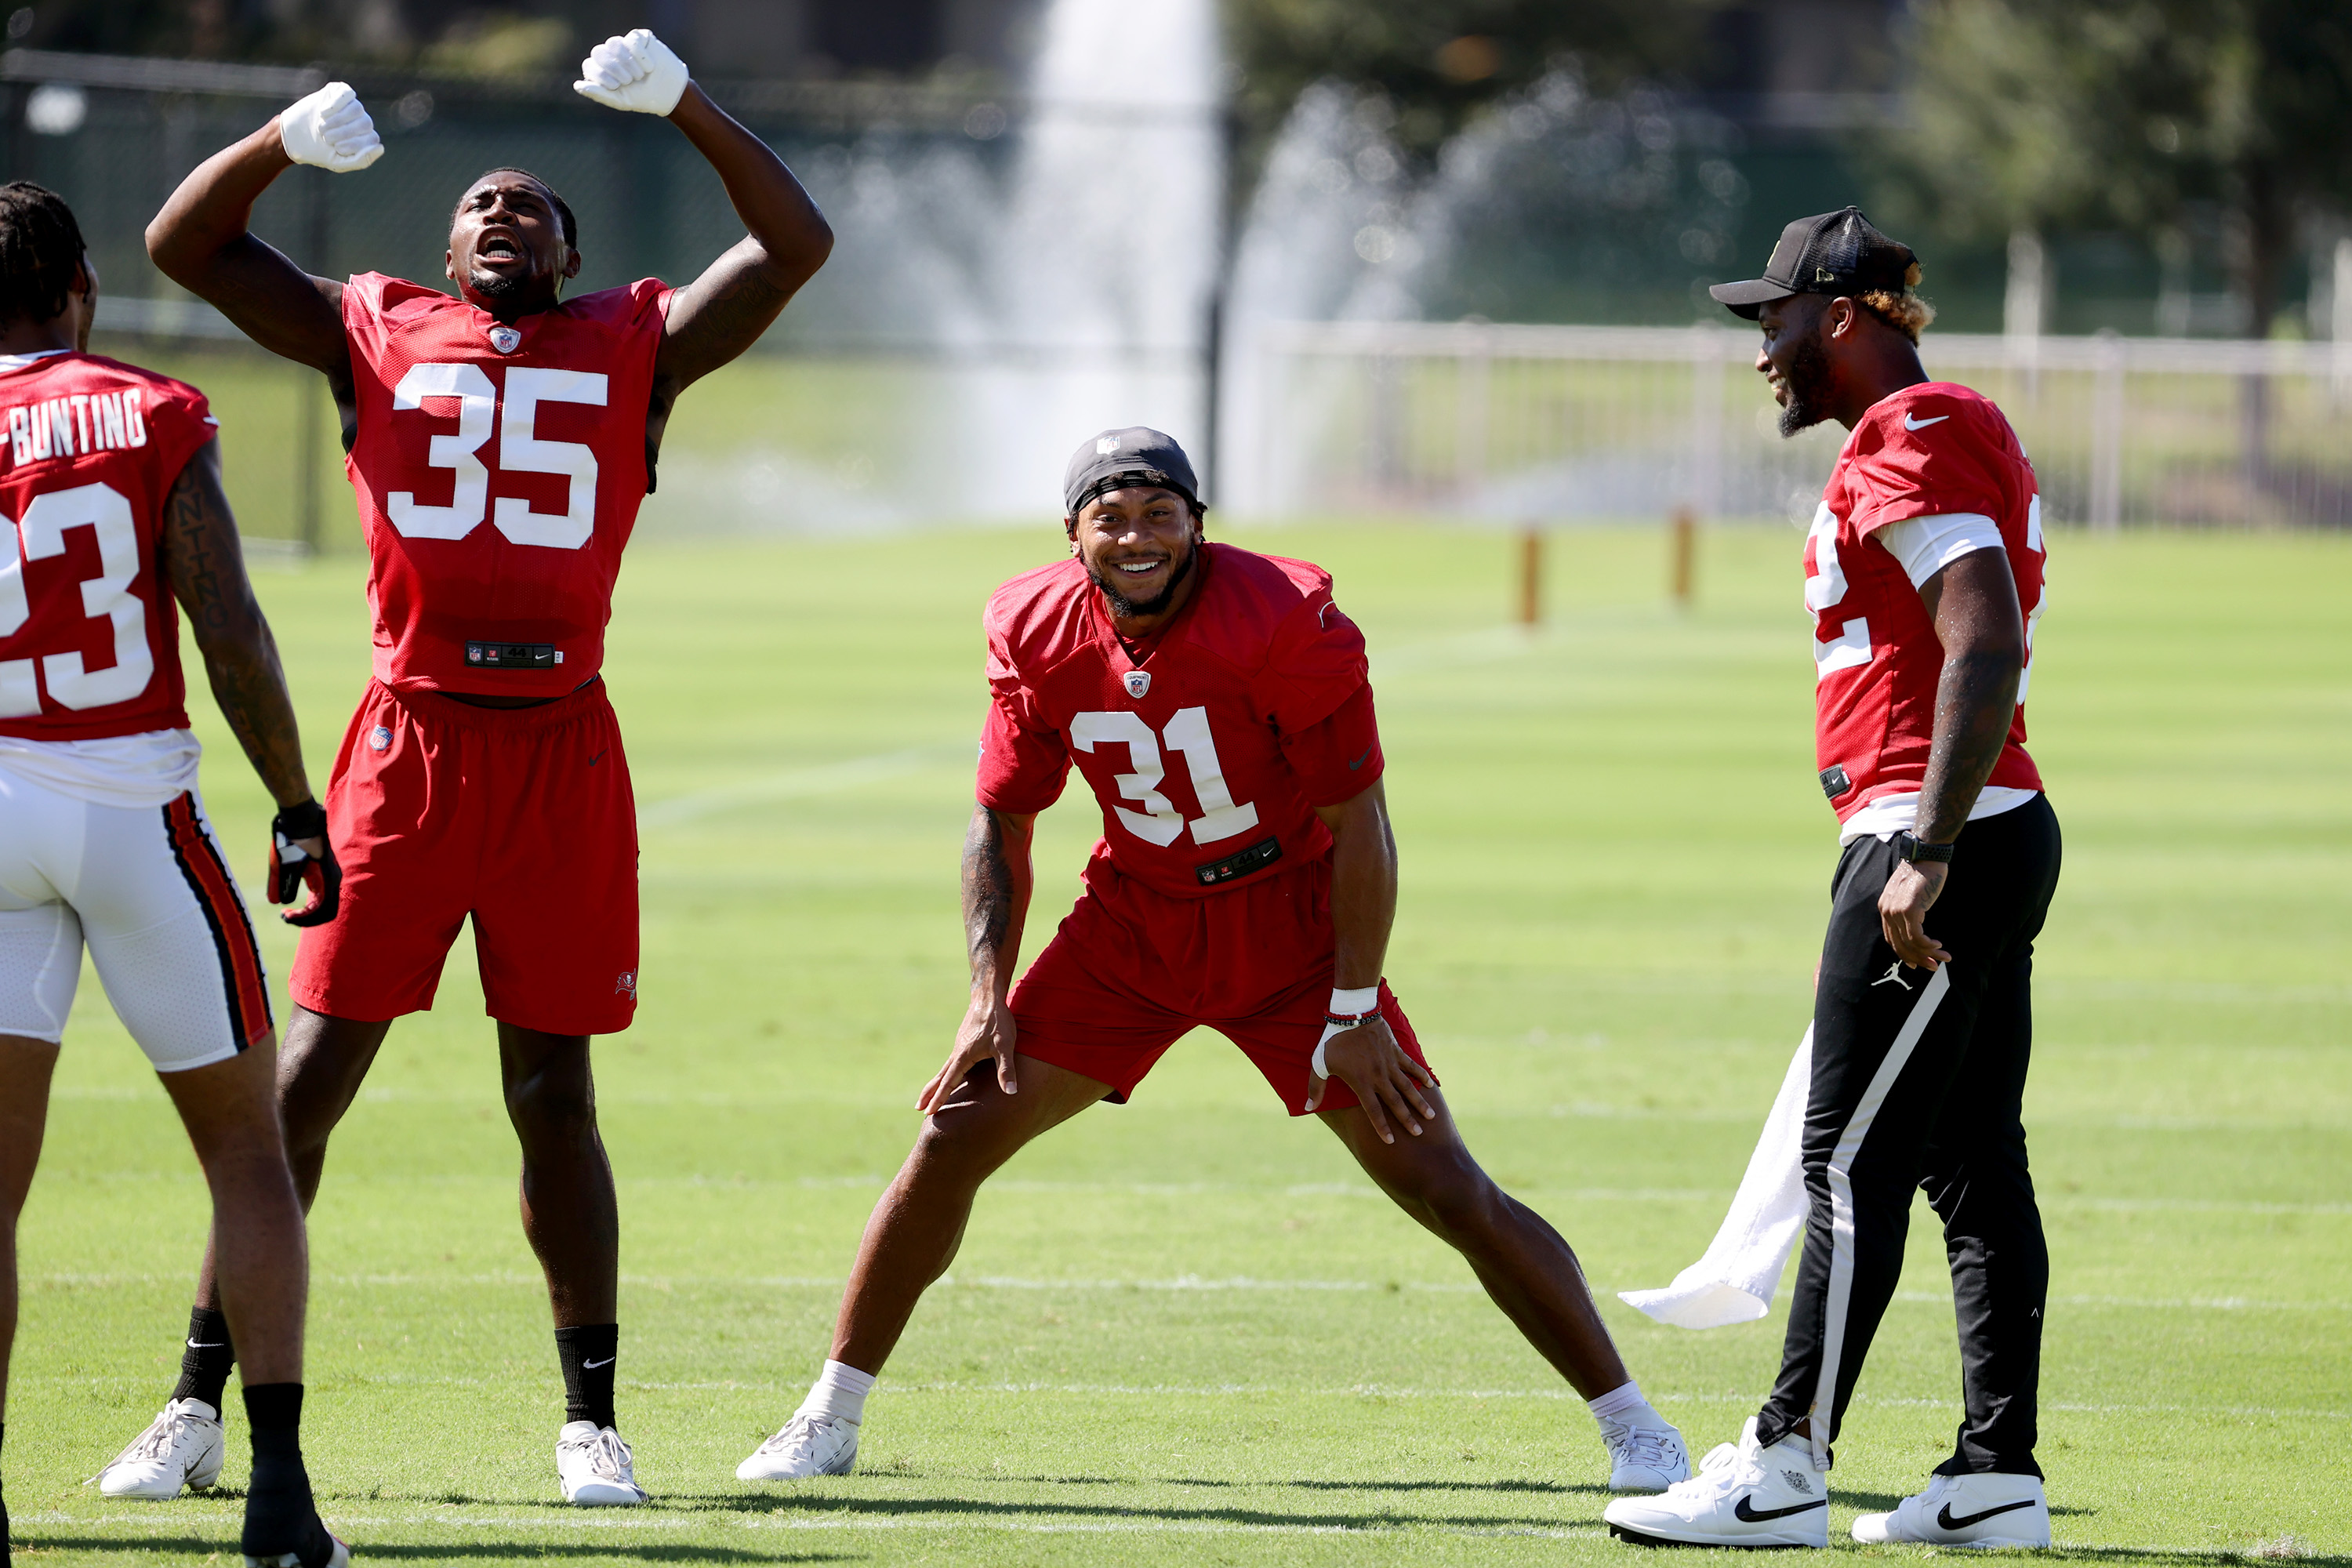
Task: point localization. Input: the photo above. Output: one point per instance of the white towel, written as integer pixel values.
(1734, 1282)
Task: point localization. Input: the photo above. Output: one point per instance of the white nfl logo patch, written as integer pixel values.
(1139, 681)
(1106, 445)
(506, 340)
(379, 739)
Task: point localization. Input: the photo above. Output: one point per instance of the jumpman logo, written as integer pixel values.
(1894, 976)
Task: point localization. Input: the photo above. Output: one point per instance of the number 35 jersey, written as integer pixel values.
(498, 470)
(1209, 746)
(89, 642)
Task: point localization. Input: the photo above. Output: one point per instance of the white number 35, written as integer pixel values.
(520, 451)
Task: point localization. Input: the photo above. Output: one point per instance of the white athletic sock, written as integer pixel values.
(1625, 1405)
(839, 1392)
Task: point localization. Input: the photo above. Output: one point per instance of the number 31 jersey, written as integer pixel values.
(90, 641)
(1185, 746)
(498, 470)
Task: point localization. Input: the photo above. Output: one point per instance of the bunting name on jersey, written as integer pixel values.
(73, 426)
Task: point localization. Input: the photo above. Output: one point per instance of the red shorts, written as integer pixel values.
(520, 817)
(1131, 970)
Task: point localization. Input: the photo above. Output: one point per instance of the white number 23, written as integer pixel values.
(520, 451)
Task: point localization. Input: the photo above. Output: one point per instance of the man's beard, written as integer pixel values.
(1805, 378)
(499, 285)
(1126, 608)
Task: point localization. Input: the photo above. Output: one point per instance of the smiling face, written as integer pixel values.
(507, 250)
(1138, 546)
(1793, 360)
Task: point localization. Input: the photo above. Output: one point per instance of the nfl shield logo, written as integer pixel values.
(506, 340)
(1139, 681)
(379, 739)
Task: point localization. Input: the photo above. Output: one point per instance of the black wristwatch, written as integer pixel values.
(1910, 847)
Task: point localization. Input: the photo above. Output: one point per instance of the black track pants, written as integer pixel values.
(1918, 1081)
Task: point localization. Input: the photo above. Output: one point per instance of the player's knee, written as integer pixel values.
(545, 1107)
(1456, 1198)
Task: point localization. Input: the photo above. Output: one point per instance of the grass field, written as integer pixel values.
(1185, 1329)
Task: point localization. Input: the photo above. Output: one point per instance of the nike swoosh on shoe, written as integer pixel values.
(1747, 1515)
(1944, 1520)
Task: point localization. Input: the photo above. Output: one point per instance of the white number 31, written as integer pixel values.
(1160, 822)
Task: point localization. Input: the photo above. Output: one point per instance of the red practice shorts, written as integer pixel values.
(1131, 971)
(520, 817)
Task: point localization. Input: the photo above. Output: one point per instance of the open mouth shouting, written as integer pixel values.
(499, 251)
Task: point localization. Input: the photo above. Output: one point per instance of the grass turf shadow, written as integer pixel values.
(503, 1551)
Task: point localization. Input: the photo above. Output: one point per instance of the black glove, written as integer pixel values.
(290, 866)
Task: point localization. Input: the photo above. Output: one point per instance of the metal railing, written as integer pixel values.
(1555, 422)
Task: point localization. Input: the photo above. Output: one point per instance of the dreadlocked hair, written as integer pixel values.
(1904, 311)
(40, 252)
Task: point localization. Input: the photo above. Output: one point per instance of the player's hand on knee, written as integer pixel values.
(635, 72)
(1387, 1082)
(1903, 908)
(299, 857)
(988, 1035)
(330, 129)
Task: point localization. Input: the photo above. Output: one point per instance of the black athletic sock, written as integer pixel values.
(205, 1364)
(587, 1354)
(280, 1517)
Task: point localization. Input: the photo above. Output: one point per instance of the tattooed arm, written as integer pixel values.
(997, 879)
(1973, 603)
(723, 312)
(205, 566)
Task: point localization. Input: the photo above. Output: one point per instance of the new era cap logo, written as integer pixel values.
(1823, 274)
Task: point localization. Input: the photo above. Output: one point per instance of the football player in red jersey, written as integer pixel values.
(1216, 701)
(1923, 573)
(110, 508)
(500, 444)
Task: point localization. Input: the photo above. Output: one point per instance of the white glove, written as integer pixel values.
(330, 129)
(637, 72)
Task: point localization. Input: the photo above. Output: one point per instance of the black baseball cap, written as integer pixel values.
(1124, 459)
(1832, 253)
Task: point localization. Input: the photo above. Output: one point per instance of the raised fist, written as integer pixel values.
(637, 72)
(330, 129)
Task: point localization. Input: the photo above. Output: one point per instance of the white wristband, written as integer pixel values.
(1351, 1004)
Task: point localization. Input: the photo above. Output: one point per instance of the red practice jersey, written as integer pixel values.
(1932, 450)
(89, 640)
(499, 471)
(1208, 754)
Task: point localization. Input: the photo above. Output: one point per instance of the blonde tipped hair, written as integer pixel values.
(1905, 311)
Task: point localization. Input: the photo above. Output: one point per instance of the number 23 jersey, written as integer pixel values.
(499, 471)
(90, 447)
(1209, 754)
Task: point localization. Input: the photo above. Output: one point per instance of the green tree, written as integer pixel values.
(2052, 114)
(1441, 61)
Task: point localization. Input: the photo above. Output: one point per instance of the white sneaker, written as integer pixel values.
(808, 1445)
(181, 1446)
(1642, 1458)
(595, 1467)
(1745, 1496)
(1965, 1511)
